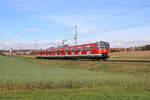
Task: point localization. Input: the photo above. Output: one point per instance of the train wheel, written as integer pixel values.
(104, 59)
(75, 59)
(97, 59)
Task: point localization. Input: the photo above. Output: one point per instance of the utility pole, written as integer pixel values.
(36, 44)
(76, 35)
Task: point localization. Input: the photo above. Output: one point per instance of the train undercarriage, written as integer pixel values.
(96, 57)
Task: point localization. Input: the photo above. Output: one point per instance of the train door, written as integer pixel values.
(56, 52)
(66, 52)
(72, 52)
(88, 51)
(69, 52)
(91, 50)
(79, 51)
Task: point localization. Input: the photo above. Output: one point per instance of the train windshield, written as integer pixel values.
(103, 45)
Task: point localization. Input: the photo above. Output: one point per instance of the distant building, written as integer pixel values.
(17, 52)
(131, 49)
(118, 49)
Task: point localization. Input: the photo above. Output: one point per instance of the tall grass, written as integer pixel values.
(19, 74)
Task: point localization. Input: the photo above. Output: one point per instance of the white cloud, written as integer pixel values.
(8, 44)
(5, 43)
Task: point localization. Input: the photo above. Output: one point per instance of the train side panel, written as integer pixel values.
(82, 51)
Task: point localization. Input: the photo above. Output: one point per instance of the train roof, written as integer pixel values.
(76, 46)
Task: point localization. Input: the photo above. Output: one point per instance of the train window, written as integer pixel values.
(79, 49)
(83, 49)
(99, 45)
(107, 46)
(66, 50)
(104, 45)
(91, 48)
(69, 50)
(76, 50)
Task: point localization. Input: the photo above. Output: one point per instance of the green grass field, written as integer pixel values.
(32, 79)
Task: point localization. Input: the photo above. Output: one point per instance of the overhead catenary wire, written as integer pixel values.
(145, 22)
(70, 38)
(124, 12)
(117, 15)
(129, 26)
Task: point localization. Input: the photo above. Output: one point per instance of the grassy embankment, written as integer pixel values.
(26, 78)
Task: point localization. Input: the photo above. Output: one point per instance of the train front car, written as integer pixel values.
(103, 50)
(98, 50)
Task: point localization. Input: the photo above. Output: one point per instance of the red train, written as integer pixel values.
(98, 50)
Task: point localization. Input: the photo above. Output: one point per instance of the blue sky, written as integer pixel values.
(24, 21)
